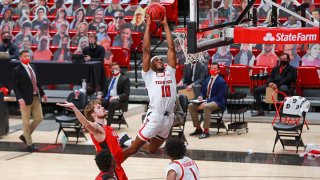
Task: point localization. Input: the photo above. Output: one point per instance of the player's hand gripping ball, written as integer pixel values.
(156, 11)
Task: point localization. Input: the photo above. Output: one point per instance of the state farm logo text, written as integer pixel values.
(290, 37)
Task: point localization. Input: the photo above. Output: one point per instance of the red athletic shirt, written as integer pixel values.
(111, 142)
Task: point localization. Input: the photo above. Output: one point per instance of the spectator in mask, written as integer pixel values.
(93, 52)
(280, 78)
(8, 46)
(116, 92)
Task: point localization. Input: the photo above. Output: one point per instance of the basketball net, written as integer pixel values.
(190, 57)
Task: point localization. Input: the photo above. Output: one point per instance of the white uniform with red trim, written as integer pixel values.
(162, 92)
(185, 168)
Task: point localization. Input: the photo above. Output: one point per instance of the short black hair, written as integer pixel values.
(126, 26)
(286, 54)
(23, 51)
(93, 35)
(215, 63)
(175, 148)
(5, 32)
(103, 160)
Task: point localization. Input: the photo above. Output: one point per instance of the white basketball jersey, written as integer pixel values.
(162, 89)
(295, 105)
(186, 169)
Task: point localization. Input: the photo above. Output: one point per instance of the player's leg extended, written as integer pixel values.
(154, 145)
(135, 146)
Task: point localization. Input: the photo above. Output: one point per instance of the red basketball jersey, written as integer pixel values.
(111, 142)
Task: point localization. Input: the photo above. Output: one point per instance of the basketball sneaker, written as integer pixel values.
(125, 140)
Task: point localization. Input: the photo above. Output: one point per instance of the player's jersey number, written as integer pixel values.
(166, 92)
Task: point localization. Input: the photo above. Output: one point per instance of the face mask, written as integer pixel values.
(213, 72)
(283, 63)
(25, 61)
(6, 40)
(92, 45)
(115, 72)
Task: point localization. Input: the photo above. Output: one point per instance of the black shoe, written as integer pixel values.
(259, 113)
(23, 139)
(204, 135)
(33, 148)
(196, 132)
(124, 138)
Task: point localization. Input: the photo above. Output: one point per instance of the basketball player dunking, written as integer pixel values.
(161, 85)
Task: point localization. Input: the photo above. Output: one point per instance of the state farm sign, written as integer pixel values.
(276, 35)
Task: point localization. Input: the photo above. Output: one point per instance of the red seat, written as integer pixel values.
(72, 33)
(224, 72)
(53, 32)
(256, 52)
(51, 18)
(211, 52)
(121, 56)
(301, 53)
(234, 51)
(53, 48)
(307, 78)
(137, 40)
(112, 34)
(172, 11)
(15, 32)
(179, 72)
(239, 76)
(73, 49)
(108, 19)
(128, 18)
(34, 48)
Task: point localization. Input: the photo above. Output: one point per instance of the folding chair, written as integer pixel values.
(216, 120)
(68, 123)
(289, 132)
(119, 119)
(178, 129)
(121, 56)
(278, 105)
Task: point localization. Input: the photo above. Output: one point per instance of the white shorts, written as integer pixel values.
(155, 125)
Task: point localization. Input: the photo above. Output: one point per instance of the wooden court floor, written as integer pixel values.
(222, 156)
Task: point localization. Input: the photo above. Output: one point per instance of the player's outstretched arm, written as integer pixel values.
(90, 126)
(171, 55)
(146, 46)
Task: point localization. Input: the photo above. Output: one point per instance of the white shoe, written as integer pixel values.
(125, 140)
(144, 2)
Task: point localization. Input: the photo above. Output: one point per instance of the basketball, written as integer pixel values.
(156, 11)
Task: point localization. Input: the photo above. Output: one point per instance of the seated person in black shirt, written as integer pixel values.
(8, 46)
(93, 52)
(280, 78)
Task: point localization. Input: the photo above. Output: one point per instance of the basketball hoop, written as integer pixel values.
(190, 57)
